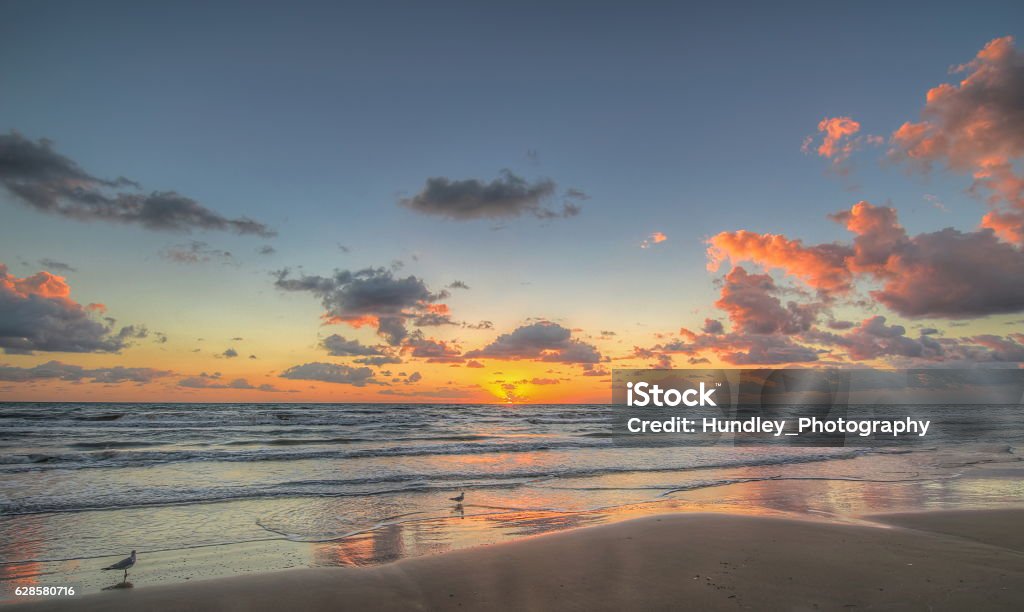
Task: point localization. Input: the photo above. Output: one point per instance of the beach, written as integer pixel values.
(235, 491)
(920, 561)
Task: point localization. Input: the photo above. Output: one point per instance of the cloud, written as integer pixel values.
(59, 266)
(839, 141)
(821, 266)
(475, 364)
(541, 341)
(229, 353)
(873, 338)
(712, 326)
(43, 179)
(753, 306)
(378, 361)
(434, 351)
(55, 370)
(339, 346)
(193, 252)
(443, 392)
(506, 196)
(947, 273)
(977, 127)
(737, 348)
(544, 381)
(373, 296)
(433, 315)
(458, 285)
(38, 314)
(266, 250)
(654, 238)
(331, 373)
(207, 381)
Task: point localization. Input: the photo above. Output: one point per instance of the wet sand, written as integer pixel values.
(937, 560)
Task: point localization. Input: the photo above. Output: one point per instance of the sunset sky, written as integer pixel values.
(473, 203)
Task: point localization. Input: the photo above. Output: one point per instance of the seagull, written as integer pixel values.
(460, 497)
(123, 564)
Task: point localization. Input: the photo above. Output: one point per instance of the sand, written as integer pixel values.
(923, 561)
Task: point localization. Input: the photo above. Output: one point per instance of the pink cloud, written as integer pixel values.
(977, 127)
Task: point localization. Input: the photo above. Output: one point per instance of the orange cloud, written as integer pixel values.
(654, 238)
(353, 321)
(39, 315)
(821, 266)
(42, 284)
(836, 129)
(977, 127)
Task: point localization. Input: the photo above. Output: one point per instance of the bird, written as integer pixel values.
(123, 564)
(459, 498)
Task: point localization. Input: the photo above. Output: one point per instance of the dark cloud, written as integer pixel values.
(874, 338)
(229, 353)
(434, 351)
(206, 381)
(753, 306)
(458, 285)
(266, 250)
(56, 266)
(541, 341)
(339, 346)
(378, 361)
(506, 196)
(38, 314)
(434, 315)
(712, 326)
(55, 370)
(331, 373)
(133, 332)
(49, 182)
(443, 392)
(373, 296)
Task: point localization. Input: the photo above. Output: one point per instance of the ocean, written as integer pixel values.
(81, 483)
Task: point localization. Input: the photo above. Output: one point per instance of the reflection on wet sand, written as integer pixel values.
(841, 491)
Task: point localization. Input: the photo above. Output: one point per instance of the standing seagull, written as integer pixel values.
(460, 497)
(123, 564)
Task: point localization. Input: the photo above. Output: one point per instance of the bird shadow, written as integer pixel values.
(119, 585)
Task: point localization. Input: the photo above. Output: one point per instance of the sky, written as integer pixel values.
(459, 202)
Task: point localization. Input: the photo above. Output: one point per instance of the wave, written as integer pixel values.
(400, 483)
(113, 458)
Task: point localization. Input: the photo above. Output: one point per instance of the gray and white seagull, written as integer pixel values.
(123, 564)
